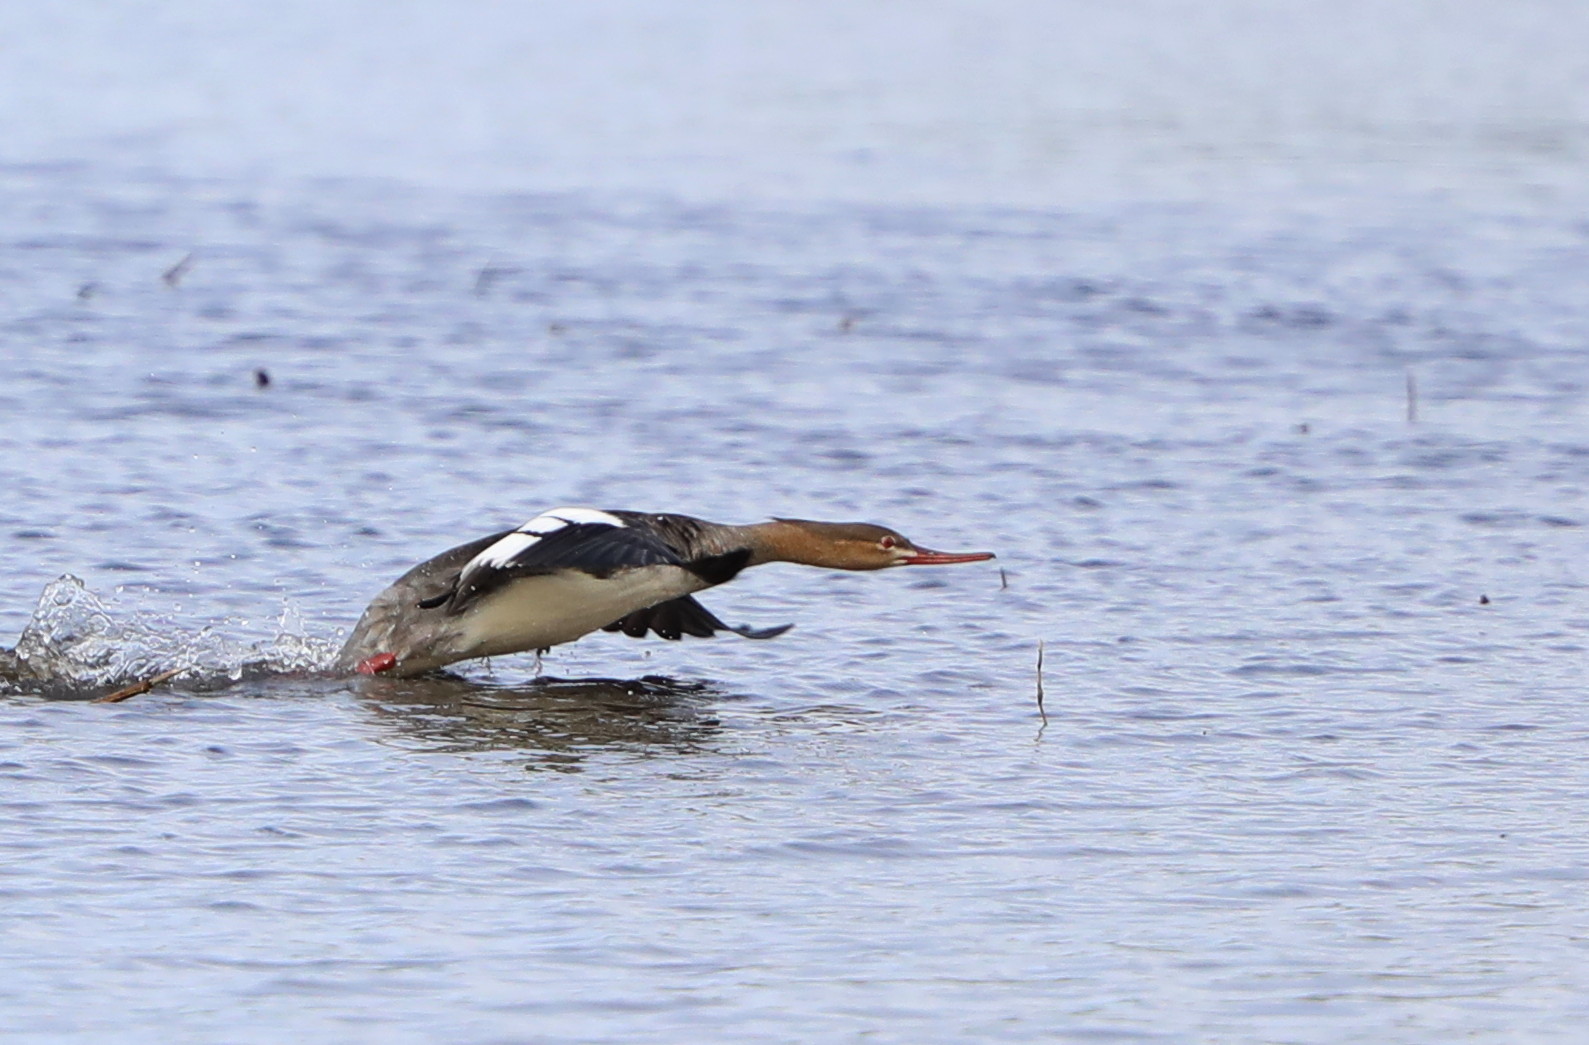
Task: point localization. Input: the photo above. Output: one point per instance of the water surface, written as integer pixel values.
(1310, 768)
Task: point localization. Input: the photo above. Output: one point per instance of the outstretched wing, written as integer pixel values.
(581, 539)
(684, 616)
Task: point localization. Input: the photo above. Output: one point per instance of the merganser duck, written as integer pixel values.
(571, 571)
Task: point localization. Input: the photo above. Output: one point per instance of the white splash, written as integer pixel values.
(74, 641)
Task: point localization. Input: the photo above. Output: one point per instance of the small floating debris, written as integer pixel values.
(1040, 710)
(261, 378)
(174, 274)
(136, 688)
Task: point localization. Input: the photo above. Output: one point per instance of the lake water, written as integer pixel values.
(1251, 337)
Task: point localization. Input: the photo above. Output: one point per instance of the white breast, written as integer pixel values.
(540, 611)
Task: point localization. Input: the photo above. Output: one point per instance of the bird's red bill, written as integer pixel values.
(928, 557)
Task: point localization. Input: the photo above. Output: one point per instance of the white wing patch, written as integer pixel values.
(513, 545)
(502, 552)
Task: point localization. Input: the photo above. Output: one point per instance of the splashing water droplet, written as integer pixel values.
(74, 642)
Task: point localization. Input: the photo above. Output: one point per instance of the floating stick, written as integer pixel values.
(137, 687)
(1040, 710)
(174, 274)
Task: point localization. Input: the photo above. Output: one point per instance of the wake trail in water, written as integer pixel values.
(75, 645)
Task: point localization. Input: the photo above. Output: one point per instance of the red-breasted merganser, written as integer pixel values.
(571, 571)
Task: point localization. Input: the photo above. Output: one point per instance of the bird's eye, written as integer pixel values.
(887, 542)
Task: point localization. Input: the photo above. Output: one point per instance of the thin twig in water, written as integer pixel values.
(1004, 582)
(1412, 398)
(1040, 710)
(174, 274)
(137, 687)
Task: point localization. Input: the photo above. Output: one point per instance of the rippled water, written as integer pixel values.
(1289, 486)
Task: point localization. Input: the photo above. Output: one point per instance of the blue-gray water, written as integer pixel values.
(1128, 296)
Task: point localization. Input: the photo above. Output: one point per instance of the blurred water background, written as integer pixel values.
(1250, 335)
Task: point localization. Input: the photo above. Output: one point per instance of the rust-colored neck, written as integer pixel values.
(830, 545)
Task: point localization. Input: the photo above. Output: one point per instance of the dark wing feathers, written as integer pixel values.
(439, 600)
(594, 548)
(684, 616)
(719, 569)
(705, 550)
(598, 549)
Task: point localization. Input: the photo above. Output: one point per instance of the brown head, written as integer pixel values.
(849, 546)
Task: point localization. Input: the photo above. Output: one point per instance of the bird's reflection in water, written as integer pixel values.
(561, 721)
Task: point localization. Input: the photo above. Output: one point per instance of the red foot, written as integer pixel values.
(377, 664)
